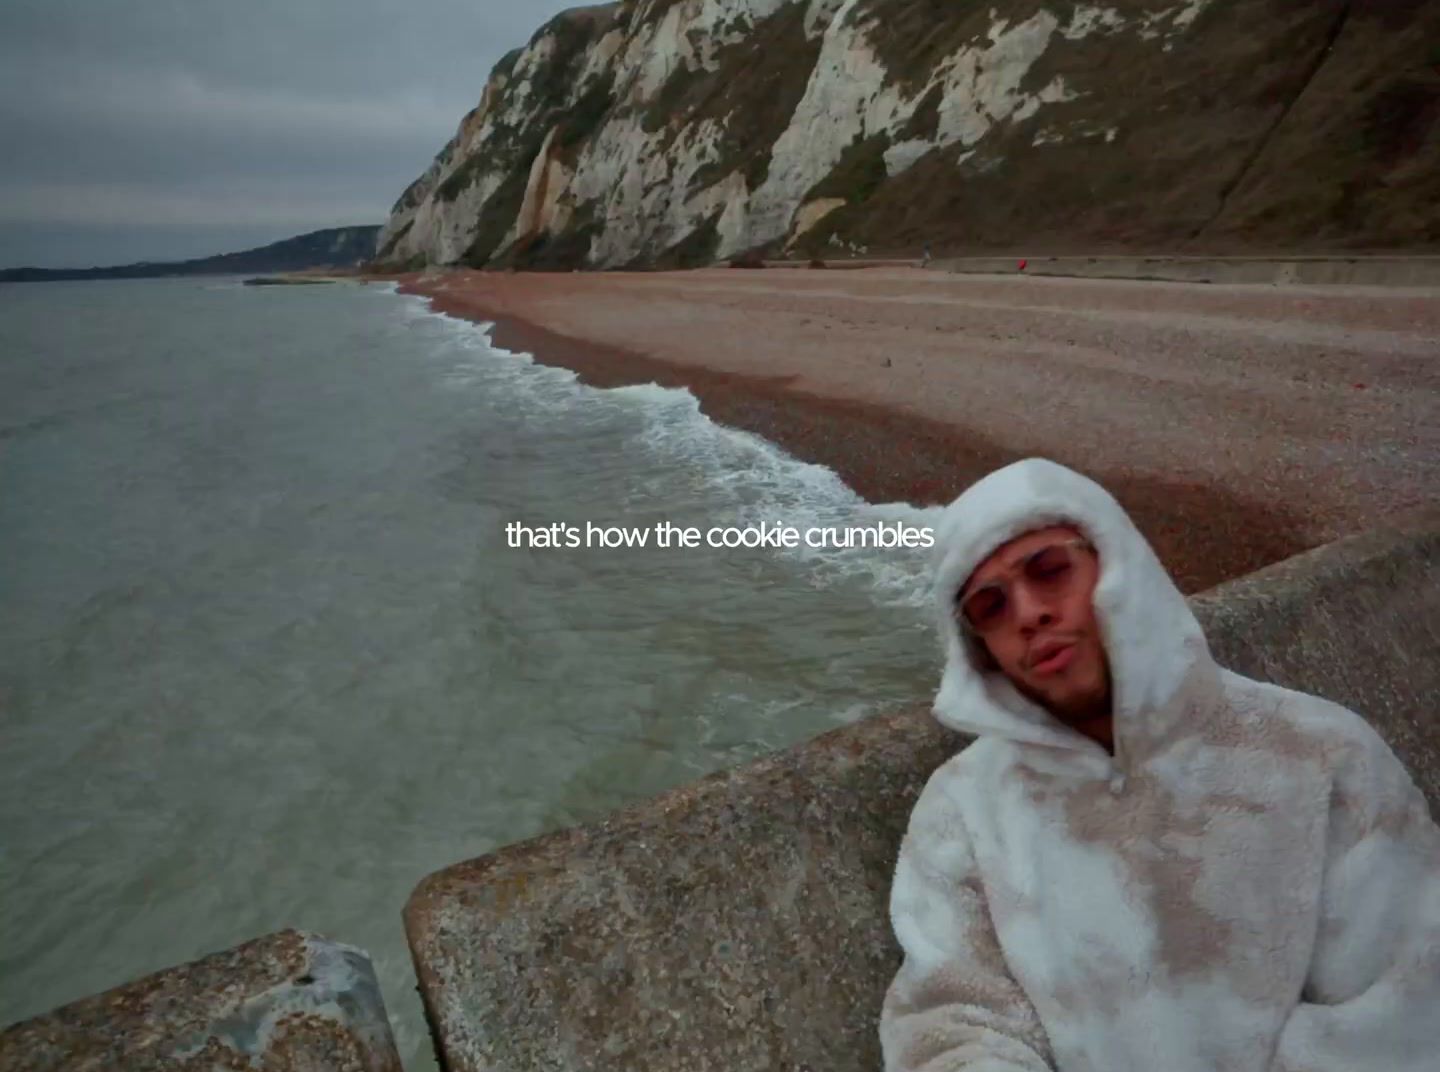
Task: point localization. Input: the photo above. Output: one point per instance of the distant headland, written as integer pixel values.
(333, 248)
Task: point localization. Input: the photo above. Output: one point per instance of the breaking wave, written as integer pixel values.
(705, 471)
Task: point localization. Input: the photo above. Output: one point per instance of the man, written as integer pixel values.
(1145, 863)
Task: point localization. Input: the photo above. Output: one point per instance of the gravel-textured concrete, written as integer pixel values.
(288, 1001)
(1357, 622)
(740, 923)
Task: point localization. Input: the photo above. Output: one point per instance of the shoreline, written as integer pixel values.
(1203, 533)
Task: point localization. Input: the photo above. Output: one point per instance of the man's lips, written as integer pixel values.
(1052, 658)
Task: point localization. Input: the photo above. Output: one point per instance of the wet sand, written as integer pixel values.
(1238, 424)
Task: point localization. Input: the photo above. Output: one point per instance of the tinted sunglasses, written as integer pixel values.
(1050, 571)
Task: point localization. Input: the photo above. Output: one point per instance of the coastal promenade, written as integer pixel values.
(1238, 423)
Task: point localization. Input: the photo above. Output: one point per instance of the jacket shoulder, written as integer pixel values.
(961, 779)
(1341, 734)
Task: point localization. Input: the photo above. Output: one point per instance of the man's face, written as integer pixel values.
(1031, 603)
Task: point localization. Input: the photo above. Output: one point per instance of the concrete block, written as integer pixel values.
(1356, 621)
(736, 923)
(288, 1001)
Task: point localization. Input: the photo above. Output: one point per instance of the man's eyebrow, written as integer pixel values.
(969, 588)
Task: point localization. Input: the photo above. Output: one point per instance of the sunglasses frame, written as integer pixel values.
(961, 597)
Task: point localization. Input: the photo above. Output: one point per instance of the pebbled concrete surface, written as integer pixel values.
(288, 1001)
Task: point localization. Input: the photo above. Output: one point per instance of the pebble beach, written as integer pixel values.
(1239, 424)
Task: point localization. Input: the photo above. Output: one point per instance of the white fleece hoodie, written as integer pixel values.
(1252, 882)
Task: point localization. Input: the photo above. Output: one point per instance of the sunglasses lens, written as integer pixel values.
(984, 608)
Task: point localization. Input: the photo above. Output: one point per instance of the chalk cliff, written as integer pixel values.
(675, 132)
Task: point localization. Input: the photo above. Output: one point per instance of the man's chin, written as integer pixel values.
(1073, 707)
(1057, 702)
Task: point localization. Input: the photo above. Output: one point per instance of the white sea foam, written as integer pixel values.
(759, 483)
(750, 480)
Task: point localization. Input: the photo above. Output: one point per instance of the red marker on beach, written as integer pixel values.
(1022, 265)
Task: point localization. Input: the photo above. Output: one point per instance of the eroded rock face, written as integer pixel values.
(675, 132)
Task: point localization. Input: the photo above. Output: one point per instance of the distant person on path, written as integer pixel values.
(1145, 862)
(925, 259)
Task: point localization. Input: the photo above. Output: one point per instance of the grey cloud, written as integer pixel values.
(182, 120)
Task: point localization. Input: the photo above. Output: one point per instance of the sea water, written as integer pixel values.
(267, 657)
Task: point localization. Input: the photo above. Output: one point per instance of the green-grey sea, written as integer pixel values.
(267, 657)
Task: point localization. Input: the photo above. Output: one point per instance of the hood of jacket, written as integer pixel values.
(1153, 641)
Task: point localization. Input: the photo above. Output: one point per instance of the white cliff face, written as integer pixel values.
(642, 183)
(819, 14)
(1184, 15)
(437, 228)
(510, 171)
(811, 213)
(848, 99)
(656, 56)
(522, 76)
(542, 209)
(601, 58)
(402, 217)
(443, 229)
(1089, 20)
(688, 35)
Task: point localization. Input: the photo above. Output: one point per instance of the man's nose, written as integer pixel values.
(1030, 611)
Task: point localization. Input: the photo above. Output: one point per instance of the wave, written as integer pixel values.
(736, 478)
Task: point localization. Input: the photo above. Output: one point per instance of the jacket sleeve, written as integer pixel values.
(953, 1005)
(1372, 995)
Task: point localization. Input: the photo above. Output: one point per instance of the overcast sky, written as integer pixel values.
(163, 129)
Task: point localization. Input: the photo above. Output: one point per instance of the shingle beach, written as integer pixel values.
(1238, 424)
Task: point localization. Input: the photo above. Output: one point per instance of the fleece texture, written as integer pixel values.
(1251, 882)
